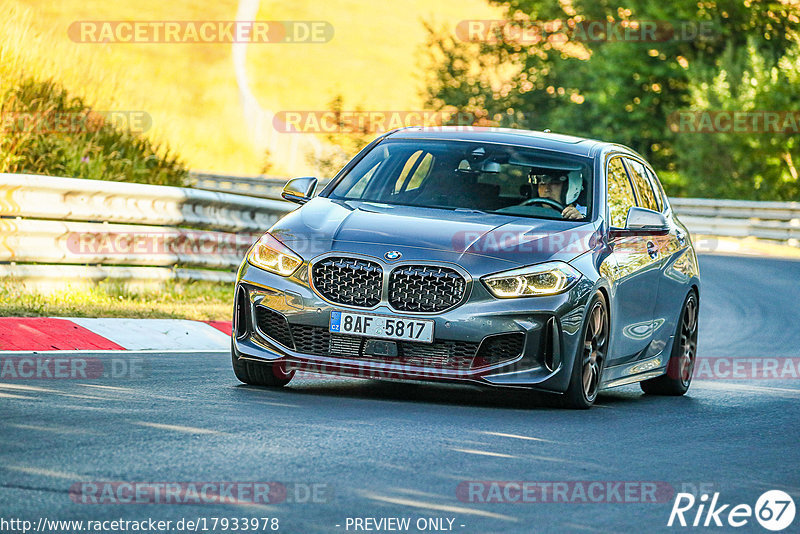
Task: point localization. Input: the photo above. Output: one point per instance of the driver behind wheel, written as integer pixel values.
(562, 188)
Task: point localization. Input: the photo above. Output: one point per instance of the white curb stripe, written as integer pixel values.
(157, 334)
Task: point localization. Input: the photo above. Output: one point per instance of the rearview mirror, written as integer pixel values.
(299, 190)
(490, 167)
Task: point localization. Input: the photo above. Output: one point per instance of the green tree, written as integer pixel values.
(616, 90)
(760, 165)
(343, 145)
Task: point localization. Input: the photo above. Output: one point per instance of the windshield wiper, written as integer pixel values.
(471, 210)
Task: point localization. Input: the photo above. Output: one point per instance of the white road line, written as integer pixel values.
(43, 472)
(482, 453)
(176, 428)
(516, 436)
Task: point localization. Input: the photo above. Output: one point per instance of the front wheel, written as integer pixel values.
(590, 359)
(259, 373)
(684, 353)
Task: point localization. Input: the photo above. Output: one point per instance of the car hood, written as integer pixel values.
(461, 236)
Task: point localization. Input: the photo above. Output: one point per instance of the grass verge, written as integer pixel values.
(201, 301)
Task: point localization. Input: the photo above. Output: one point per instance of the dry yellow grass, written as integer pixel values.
(190, 91)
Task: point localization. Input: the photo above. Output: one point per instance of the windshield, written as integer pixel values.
(470, 175)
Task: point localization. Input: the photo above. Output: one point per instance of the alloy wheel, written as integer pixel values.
(688, 341)
(594, 350)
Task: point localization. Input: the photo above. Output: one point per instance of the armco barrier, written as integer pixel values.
(774, 221)
(73, 229)
(256, 186)
(72, 199)
(53, 228)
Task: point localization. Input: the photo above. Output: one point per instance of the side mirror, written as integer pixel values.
(642, 221)
(299, 190)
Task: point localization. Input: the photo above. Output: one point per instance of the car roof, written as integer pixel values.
(569, 144)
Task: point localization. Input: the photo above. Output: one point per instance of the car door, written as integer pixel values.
(635, 283)
(677, 263)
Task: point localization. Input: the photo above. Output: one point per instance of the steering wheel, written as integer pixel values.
(549, 202)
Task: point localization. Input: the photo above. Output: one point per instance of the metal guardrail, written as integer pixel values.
(773, 221)
(77, 230)
(257, 186)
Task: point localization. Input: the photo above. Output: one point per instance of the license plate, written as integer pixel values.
(382, 326)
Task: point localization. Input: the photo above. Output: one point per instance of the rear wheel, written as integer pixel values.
(684, 354)
(259, 373)
(590, 359)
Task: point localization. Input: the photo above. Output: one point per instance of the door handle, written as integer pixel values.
(652, 250)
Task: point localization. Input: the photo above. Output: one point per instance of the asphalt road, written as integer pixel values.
(402, 450)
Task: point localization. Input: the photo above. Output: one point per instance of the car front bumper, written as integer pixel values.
(549, 327)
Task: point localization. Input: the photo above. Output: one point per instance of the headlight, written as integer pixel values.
(543, 279)
(271, 255)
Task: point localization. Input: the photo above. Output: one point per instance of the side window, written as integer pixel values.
(660, 196)
(414, 172)
(357, 191)
(366, 174)
(620, 195)
(644, 191)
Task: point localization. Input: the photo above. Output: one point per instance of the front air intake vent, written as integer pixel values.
(551, 347)
(241, 313)
(274, 326)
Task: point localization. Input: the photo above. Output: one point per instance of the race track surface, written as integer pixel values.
(376, 449)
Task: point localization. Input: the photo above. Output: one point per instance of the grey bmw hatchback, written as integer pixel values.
(504, 258)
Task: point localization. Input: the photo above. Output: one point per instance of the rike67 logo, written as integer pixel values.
(774, 510)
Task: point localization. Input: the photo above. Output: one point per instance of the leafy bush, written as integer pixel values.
(744, 165)
(90, 147)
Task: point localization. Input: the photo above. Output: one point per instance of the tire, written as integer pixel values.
(259, 373)
(587, 370)
(680, 368)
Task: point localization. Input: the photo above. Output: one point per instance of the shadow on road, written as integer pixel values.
(450, 395)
